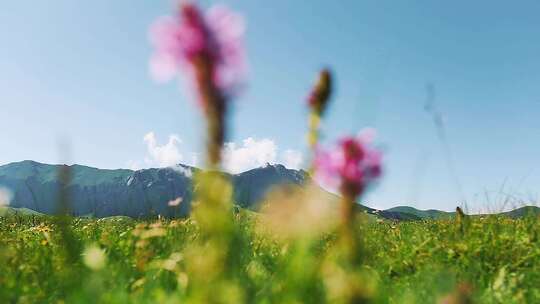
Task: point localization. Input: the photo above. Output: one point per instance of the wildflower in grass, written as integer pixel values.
(352, 166)
(319, 96)
(317, 103)
(184, 40)
(209, 48)
(63, 219)
(461, 220)
(94, 257)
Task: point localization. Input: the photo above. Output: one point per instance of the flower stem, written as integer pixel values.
(214, 104)
(313, 135)
(348, 235)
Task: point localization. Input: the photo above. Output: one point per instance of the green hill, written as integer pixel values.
(422, 214)
(17, 211)
(523, 211)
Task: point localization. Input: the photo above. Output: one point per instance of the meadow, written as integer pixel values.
(485, 260)
(297, 249)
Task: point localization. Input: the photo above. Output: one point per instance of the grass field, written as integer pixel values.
(120, 260)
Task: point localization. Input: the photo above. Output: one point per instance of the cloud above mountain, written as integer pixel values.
(5, 196)
(292, 159)
(163, 155)
(249, 154)
(252, 153)
(237, 157)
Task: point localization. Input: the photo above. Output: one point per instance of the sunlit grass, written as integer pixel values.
(155, 261)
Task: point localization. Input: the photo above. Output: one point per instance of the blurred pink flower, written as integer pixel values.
(216, 38)
(351, 166)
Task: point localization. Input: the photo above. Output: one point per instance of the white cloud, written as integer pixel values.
(251, 154)
(165, 155)
(292, 159)
(237, 157)
(5, 196)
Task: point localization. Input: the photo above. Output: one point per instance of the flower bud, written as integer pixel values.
(318, 99)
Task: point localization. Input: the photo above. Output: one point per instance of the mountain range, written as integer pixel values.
(142, 193)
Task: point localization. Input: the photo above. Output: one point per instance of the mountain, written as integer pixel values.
(140, 193)
(251, 186)
(104, 193)
(99, 192)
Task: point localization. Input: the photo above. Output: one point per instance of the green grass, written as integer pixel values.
(168, 261)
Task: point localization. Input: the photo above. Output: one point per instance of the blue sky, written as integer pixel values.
(78, 70)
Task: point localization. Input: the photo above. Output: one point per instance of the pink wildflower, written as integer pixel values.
(351, 166)
(184, 41)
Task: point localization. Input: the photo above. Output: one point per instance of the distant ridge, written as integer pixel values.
(142, 193)
(422, 214)
(437, 214)
(523, 211)
(139, 193)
